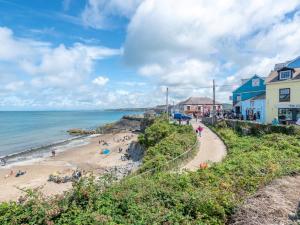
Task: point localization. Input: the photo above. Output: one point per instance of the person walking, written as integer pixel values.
(199, 130)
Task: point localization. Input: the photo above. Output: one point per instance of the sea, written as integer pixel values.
(27, 135)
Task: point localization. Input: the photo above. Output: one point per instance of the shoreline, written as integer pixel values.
(87, 158)
(40, 152)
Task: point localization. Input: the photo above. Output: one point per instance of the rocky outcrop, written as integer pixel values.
(76, 132)
(120, 172)
(127, 123)
(135, 151)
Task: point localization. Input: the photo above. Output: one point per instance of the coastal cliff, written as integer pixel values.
(137, 123)
(126, 123)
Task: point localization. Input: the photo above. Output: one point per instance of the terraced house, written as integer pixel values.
(200, 106)
(283, 92)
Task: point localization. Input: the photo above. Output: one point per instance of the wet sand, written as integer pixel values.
(87, 158)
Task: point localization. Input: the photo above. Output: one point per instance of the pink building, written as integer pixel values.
(200, 106)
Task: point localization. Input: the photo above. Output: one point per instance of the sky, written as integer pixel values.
(96, 54)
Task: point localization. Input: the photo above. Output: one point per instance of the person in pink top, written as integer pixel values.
(199, 130)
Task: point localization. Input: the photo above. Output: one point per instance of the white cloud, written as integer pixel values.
(97, 13)
(151, 69)
(132, 83)
(100, 81)
(51, 66)
(188, 43)
(174, 43)
(14, 86)
(39, 75)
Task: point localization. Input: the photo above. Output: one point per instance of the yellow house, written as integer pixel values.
(283, 95)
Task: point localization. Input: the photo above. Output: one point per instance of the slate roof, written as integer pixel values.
(198, 101)
(273, 77)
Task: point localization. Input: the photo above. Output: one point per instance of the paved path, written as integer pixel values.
(211, 149)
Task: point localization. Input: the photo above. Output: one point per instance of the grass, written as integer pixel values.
(207, 196)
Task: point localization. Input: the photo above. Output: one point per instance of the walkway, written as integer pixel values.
(212, 149)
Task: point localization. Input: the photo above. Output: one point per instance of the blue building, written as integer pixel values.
(250, 88)
(295, 63)
(254, 108)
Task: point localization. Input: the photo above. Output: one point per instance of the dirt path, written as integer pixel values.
(212, 148)
(277, 203)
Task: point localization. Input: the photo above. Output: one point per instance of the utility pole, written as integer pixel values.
(214, 101)
(173, 107)
(167, 101)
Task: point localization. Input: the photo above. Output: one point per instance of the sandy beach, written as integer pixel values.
(87, 158)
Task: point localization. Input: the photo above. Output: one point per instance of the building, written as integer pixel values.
(283, 92)
(254, 108)
(250, 88)
(201, 106)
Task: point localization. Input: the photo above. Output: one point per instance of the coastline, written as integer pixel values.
(43, 151)
(87, 158)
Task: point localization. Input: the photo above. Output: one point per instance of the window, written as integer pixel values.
(285, 114)
(255, 82)
(188, 107)
(199, 108)
(284, 95)
(284, 75)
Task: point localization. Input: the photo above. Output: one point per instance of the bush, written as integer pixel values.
(207, 196)
(164, 141)
(246, 128)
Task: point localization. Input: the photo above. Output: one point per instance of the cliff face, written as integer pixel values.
(127, 123)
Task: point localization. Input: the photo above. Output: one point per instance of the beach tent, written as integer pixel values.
(180, 116)
(105, 151)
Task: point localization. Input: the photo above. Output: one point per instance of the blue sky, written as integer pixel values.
(94, 54)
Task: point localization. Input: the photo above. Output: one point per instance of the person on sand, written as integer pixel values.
(3, 162)
(20, 173)
(53, 153)
(11, 172)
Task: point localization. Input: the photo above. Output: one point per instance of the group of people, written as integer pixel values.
(103, 142)
(125, 138)
(18, 174)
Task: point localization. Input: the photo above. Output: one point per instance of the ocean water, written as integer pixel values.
(24, 132)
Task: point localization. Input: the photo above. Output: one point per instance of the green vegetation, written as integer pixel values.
(207, 196)
(164, 141)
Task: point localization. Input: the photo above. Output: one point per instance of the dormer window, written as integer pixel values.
(284, 75)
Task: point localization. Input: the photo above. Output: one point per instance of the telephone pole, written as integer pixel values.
(167, 101)
(214, 101)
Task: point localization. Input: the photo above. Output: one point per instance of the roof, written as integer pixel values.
(273, 77)
(245, 81)
(198, 101)
(294, 63)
